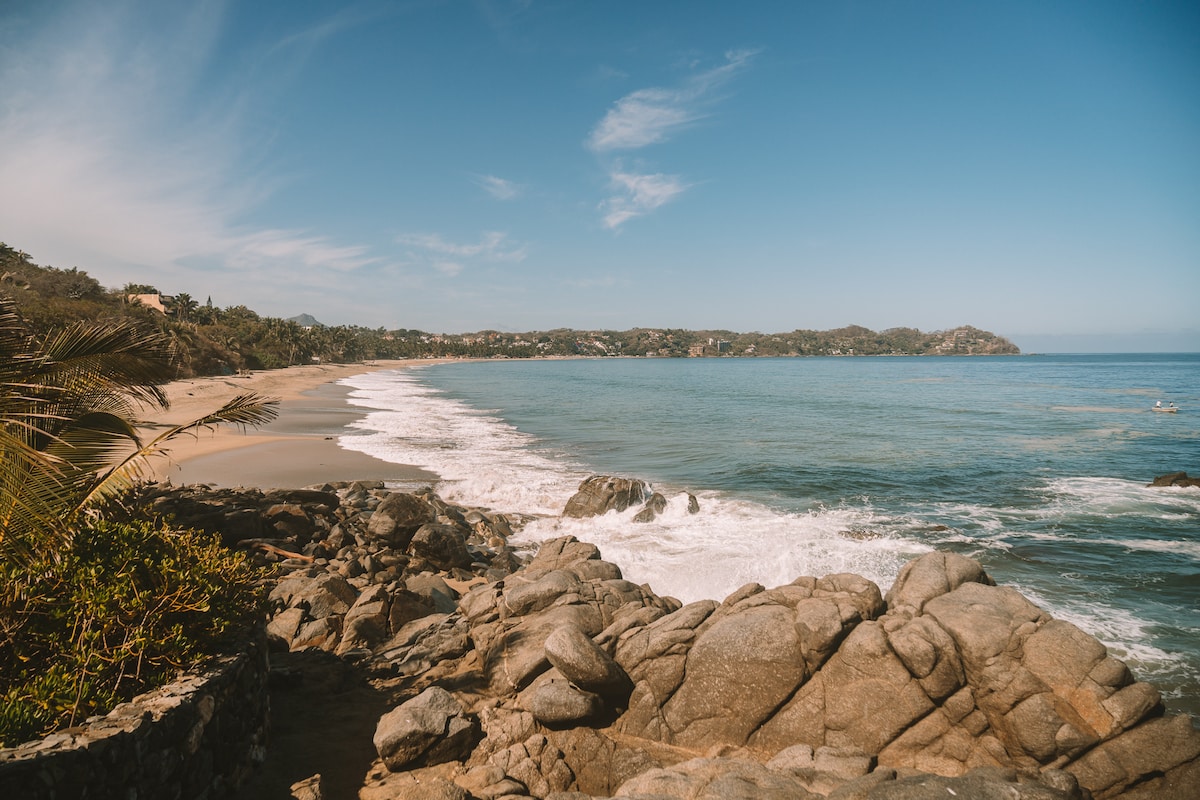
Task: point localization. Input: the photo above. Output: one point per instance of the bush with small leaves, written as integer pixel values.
(123, 609)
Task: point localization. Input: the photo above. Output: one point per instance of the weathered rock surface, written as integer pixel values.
(600, 494)
(557, 702)
(398, 518)
(429, 729)
(656, 505)
(551, 676)
(585, 664)
(1175, 479)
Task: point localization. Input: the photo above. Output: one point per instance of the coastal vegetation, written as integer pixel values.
(94, 609)
(211, 340)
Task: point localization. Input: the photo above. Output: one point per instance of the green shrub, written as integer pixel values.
(124, 609)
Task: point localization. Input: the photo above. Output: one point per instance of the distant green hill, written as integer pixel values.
(304, 320)
(214, 340)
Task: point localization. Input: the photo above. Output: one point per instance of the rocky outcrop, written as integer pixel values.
(548, 675)
(429, 729)
(1175, 479)
(600, 494)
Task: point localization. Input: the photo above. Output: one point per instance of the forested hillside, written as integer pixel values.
(212, 340)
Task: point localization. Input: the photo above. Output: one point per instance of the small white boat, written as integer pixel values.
(1168, 409)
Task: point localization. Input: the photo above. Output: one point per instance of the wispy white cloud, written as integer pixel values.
(645, 117)
(498, 188)
(447, 256)
(650, 116)
(638, 194)
(112, 157)
(294, 247)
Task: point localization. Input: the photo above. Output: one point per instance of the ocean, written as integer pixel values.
(1035, 465)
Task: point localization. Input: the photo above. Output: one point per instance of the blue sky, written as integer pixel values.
(1032, 168)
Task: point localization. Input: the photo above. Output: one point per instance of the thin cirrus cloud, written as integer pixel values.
(498, 188)
(120, 166)
(449, 257)
(295, 247)
(638, 194)
(653, 116)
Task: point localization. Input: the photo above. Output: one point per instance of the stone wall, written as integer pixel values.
(196, 738)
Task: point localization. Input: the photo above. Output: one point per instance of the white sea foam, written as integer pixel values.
(1189, 549)
(484, 461)
(730, 543)
(481, 459)
(1116, 497)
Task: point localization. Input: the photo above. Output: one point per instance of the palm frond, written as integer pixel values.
(243, 410)
(111, 358)
(33, 491)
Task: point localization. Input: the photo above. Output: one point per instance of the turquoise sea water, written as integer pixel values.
(1035, 465)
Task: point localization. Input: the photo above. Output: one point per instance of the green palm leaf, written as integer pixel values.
(67, 410)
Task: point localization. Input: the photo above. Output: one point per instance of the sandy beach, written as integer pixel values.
(298, 449)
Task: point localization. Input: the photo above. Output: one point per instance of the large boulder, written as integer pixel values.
(290, 521)
(510, 627)
(398, 517)
(514, 652)
(559, 702)
(583, 663)
(442, 546)
(323, 595)
(990, 784)
(600, 494)
(931, 575)
(366, 623)
(656, 505)
(738, 672)
(564, 552)
(1009, 648)
(706, 676)
(862, 697)
(431, 728)
(654, 657)
(716, 779)
(1158, 760)
(1175, 479)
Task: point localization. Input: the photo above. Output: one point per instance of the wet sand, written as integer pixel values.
(298, 449)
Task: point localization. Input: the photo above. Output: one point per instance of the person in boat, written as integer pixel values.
(1172, 404)
(1158, 403)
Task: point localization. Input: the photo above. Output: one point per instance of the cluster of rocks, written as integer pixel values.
(601, 494)
(1180, 479)
(548, 675)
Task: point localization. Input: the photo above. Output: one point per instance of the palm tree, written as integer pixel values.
(185, 305)
(67, 421)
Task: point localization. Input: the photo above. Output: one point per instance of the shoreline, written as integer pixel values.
(299, 448)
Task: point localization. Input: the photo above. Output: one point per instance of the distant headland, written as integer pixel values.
(212, 340)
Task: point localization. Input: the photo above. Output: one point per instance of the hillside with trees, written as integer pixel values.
(211, 340)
